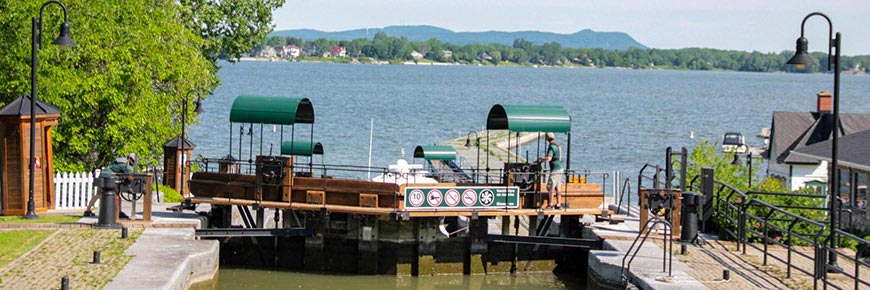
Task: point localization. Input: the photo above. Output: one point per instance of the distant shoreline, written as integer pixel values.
(420, 63)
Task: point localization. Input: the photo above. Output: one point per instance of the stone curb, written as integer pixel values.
(168, 259)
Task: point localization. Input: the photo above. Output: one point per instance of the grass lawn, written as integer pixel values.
(43, 219)
(15, 243)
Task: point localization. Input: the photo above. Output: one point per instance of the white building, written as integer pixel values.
(794, 130)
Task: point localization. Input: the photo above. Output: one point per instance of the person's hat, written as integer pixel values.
(551, 136)
(132, 156)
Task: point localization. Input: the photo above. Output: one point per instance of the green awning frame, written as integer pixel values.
(301, 148)
(529, 118)
(272, 110)
(435, 152)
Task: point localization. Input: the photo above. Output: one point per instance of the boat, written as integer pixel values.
(404, 173)
(734, 142)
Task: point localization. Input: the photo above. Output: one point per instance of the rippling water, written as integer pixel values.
(621, 119)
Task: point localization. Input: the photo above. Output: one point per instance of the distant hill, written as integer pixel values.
(581, 39)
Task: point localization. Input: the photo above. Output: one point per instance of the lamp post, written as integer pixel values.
(183, 143)
(64, 40)
(477, 144)
(801, 59)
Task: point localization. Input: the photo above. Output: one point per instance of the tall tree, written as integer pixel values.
(229, 28)
(121, 89)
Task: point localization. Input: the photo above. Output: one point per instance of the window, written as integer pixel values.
(843, 191)
(859, 189)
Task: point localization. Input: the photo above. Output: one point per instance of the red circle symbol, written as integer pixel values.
(451, 197)
(469, 197)
(416, 197)
(434, 198)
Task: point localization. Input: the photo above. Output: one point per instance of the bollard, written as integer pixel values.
(689, 217)
(107, 186)
(726, 275)
(123, 233)
(96, 257)
(64, 283)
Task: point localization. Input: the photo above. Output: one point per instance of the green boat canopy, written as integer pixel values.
(435, 152)
(529, 118)
(301, 148)
(272, 110)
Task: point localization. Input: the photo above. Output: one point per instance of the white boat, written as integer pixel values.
(404, 173)
(734, 142)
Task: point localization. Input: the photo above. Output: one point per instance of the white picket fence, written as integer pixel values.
(73, 190)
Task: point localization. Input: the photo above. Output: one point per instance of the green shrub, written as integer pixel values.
(169, 194)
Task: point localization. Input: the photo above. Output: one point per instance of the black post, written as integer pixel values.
(707, 190)
(835, 174)
(64, 283)
(181, 147)
(749, 164)
(684, 157)
(36, 40)
(31, 206)
(802, 58)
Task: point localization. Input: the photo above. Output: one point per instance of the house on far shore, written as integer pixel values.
(268, 51)
(337, 51)
(790, 131)
(292, 51)
(416, 55)
(448, 54)
(853, 160)
(309, 50)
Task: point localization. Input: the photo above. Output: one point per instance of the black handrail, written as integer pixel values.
(626, 187)
(734, 211)
(667, 255)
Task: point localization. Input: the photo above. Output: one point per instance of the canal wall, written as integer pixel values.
(168, 259)
(345, 243)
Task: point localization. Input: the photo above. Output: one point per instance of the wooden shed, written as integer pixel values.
(14, 156)
(176, 155)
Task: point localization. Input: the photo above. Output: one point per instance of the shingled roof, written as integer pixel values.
(177, 143)
(854, 151)
(21, 107)
(795, 130)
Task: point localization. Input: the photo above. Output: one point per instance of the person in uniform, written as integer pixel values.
(119, 165)
(554, 179)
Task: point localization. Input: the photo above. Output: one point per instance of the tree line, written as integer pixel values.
(523, 52)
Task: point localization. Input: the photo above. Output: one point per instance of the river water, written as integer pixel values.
(265, 279)
(621, 119)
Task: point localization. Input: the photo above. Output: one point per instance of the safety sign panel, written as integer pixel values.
(473, 197)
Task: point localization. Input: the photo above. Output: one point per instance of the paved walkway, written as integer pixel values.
(752, 272)
(747, 271)
(69, 250)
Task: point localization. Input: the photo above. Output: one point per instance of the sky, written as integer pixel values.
(759, 25)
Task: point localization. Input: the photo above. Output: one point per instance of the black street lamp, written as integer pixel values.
(183, 144)
(801, 59)
(477, 144)
(64, 40)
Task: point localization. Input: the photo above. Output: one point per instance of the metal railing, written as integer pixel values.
(752, 222)
(667, 255)
(626, 188)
